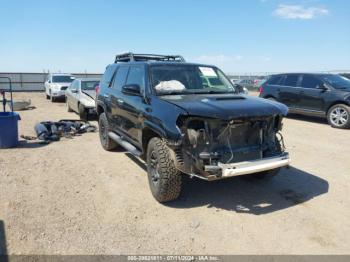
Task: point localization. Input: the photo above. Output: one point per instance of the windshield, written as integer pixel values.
(62, 79)
(89, 85)
(336, 81)
(189, 79)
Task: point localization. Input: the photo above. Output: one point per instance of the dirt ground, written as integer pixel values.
(72, 197)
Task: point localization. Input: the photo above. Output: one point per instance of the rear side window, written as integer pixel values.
(120, 77)
(136, 76)
(310, 81)
(275, 80)
(291, 80)
(107, 76)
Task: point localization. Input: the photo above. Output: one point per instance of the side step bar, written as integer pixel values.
(129, 147)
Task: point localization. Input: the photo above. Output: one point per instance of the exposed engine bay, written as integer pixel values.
(208, 144)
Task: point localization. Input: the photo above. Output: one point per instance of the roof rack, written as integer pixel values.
(128, 57)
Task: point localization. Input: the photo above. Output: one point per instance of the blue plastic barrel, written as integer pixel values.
(9, 129)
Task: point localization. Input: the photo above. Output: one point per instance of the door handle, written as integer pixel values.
(120, 101)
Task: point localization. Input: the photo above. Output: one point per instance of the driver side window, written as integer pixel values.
(310, 81)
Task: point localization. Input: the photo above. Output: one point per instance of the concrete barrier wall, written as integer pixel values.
(32, 81)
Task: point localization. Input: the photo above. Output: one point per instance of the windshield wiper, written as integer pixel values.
(171, 93)
(214, 92)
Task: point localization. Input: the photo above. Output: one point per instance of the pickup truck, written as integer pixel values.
(161, 109)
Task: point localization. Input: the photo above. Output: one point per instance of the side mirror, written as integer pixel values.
(323, 87)
(132, 90)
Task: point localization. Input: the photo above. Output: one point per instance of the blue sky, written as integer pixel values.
(238, 36)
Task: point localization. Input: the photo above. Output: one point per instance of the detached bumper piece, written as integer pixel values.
(247, 167)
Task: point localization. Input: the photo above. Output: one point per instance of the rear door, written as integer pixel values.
(289, 90)
(116, 96)
(104, 96)
(311, 95)
(132, 106)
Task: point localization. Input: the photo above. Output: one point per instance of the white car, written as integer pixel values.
(81, 95)
(56, 85)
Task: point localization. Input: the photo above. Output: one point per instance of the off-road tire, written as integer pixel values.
(266, 174)
(107, 143)
(343, 108)
(83, 114)
(169, 182)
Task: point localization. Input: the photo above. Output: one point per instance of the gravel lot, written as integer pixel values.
(72, 197)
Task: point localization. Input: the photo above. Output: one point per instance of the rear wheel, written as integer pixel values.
(83, 114)
(338, 116)
(164, 179)
(106, 142)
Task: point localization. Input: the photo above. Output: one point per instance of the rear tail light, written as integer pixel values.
(261, 90)
(97, 89)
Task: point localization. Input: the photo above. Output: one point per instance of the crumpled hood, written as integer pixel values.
(227, 106)
(89, 93)
(87, 98)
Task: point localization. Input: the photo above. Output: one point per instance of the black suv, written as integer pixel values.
(164, 110)
(325, 95)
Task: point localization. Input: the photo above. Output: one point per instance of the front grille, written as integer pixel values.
(64, 87)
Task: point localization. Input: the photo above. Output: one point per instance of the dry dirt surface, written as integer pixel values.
(72, 197)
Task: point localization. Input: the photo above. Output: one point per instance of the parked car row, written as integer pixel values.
(190, 119)
(78, 93)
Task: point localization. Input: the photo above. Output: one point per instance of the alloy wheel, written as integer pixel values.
(339, 116)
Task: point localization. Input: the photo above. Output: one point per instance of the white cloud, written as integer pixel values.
(299, 12)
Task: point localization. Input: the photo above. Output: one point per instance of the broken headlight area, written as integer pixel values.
(209, 143)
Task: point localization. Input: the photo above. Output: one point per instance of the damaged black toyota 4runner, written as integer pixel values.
(185, 118)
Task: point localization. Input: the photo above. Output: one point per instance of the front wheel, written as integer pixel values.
(52, 99)
(164, 179)
(338, 116)
(83, 114)
(69, 109)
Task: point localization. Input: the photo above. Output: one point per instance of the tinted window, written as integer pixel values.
(136, 76)
(291, 80)
(187, 79)
(89, 85)
(215, 81)
(107, 76)
(275, 80)
(72, 84)
(310, 81)
(337, 81)
(62, 79)
(120, 77)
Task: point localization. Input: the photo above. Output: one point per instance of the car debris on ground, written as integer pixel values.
(49, 131)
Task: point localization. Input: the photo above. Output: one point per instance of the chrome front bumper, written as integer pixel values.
(250, 167)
